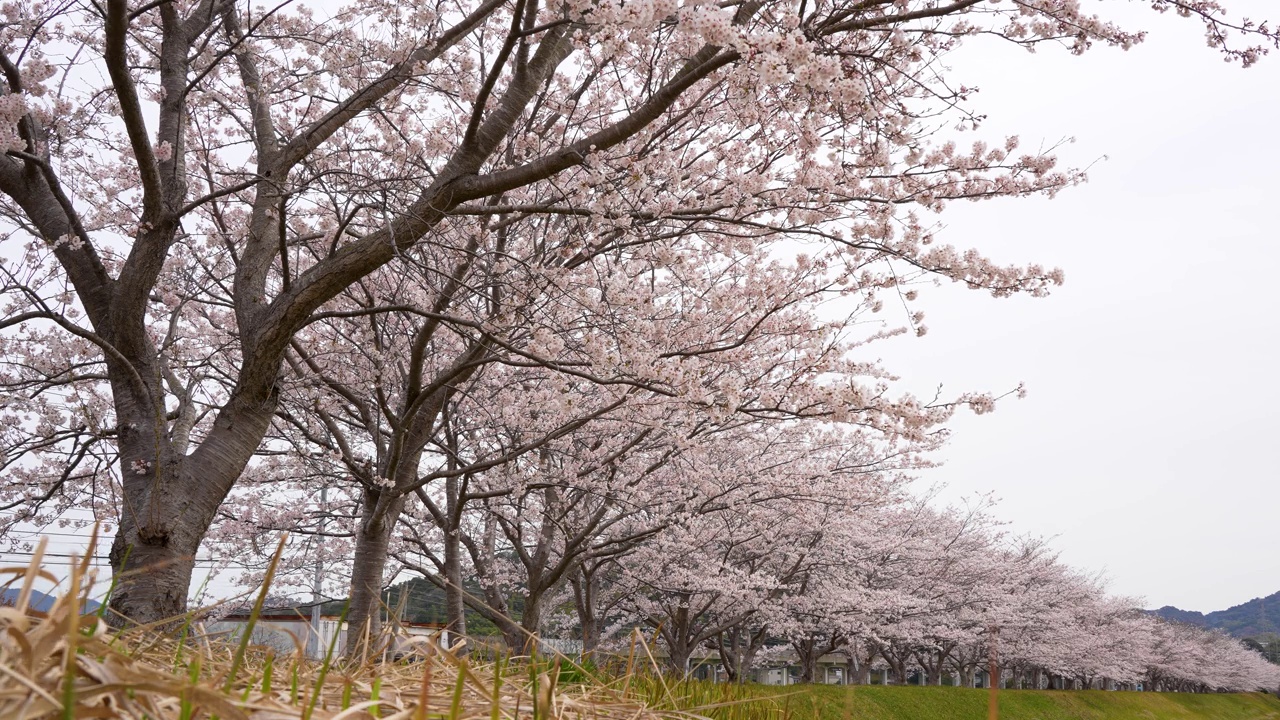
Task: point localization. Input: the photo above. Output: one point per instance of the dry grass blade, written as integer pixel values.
(65, 664)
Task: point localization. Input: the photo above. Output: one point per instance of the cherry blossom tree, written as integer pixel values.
(723, 339)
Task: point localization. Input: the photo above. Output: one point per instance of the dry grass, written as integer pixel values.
(64, 664)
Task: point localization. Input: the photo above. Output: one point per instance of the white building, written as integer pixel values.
(284, 630)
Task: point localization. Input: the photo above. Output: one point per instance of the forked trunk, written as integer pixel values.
(807, 654)
(738, 647)
(154, 550)
(170, 500)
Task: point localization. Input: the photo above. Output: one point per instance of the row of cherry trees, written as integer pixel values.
(554, 504)
(765, 543)
(903, 590)
(532, 291)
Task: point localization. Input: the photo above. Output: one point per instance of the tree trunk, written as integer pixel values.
(738, 647)
(677, 635)
(170, 500)
(678, 653)
(455, 606)
(807, 652)
(531, 620)
(495, 609)
(369, 564)
(154, 578)
(899, 671)
(584, 601)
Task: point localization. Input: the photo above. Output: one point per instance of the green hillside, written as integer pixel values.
(877, 702)
(425, 603)
(1258, 617)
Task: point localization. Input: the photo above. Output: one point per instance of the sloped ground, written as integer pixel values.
(946, 703)
(64, 664)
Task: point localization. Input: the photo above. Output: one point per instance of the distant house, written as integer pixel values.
(284, 630)
(288, 629)
(831, 670)
(411, 637)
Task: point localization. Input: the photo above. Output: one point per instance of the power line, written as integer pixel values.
(203, 563)
(34, 534)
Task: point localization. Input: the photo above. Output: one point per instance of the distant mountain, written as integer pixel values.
(39, 601)
(1188, 617)
(1259, 616)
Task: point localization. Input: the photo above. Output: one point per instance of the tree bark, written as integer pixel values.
(676, 633)
(585, 587)
(531, 620)
(373, 540)
(170, 498)
(807, 655)
(455, 606)
(167, 567)
(898, 671)
(738, 647)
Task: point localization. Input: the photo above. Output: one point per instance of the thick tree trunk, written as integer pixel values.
(154, 550)
(170, 501)
(677, 635)
(810, 651)
(495, 610)
(898, 670)
(678, 654)
(513, 635)
(155, 579)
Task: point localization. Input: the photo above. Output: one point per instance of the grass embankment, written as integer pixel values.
(65, 665)
(828, 702)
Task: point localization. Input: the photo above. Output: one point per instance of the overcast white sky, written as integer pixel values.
(1147, 441)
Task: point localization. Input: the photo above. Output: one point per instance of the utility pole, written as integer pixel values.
(314, 645)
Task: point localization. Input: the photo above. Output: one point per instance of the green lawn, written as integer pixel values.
(829, 702)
